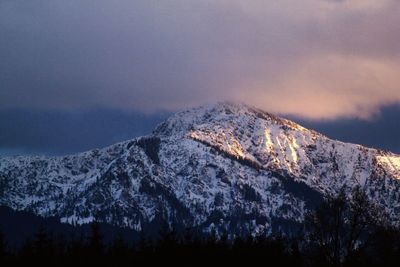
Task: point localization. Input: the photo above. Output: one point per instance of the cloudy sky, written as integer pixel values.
(332, 64)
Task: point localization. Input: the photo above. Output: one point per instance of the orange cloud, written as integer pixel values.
(330, 86)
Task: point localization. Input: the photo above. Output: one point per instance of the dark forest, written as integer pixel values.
(343, 231)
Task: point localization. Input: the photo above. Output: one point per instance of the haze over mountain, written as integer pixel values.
(228, 167)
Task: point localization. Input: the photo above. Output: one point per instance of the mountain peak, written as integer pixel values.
(222, 113)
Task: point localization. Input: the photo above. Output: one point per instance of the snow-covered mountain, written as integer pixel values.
(225, 166)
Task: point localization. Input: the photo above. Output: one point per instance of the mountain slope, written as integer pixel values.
(224, 166)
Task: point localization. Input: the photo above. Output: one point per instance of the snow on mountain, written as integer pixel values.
(225, 166)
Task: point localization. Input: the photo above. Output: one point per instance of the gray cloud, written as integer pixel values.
(312, 58)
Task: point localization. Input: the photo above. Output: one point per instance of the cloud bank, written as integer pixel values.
(318, 59)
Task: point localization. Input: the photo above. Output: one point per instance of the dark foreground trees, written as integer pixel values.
(344, 231)
(343, 228)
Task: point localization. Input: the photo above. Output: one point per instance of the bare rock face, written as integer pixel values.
(227, 167)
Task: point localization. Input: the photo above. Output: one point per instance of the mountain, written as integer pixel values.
(227, 167)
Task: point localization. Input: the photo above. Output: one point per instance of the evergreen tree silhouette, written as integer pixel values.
(76, 251)
(119, 251)
(26, 254)
(43, 247)
(96, 244)
(3, 247)
(296, 257)
(167, 246)
(143, 249)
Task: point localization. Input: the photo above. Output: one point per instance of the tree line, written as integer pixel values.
(343, 231)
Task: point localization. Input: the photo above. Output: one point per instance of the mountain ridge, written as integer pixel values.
(227, 166)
